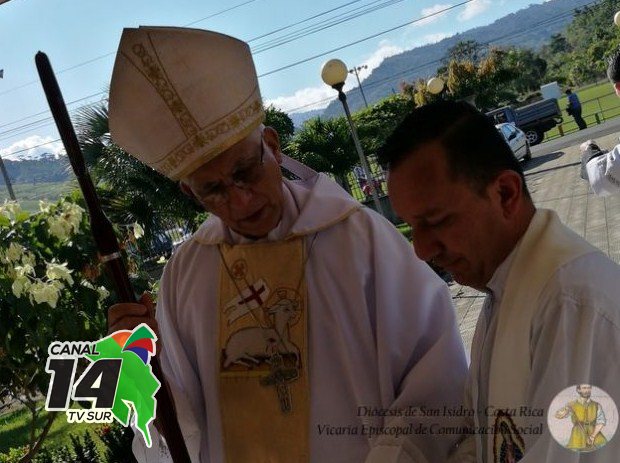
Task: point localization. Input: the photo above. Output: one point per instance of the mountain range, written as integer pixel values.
(530, 27)
(42, 168)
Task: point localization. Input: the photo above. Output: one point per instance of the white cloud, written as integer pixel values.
(306, 99)
(474, 9)
(302, 100)
(29, 148)
(434, 38)
(432, 10)
(385, 50)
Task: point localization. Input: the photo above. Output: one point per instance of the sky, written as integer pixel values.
(80, 38)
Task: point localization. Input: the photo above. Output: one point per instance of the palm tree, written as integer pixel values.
(326, 146)
(130, 191)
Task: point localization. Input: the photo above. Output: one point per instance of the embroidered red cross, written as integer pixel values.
(254, 296)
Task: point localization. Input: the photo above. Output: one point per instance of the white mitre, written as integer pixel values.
(179, 97)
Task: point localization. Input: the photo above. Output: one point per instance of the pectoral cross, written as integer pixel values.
(279, 377)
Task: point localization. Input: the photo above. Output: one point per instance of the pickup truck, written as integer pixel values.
(534, 119)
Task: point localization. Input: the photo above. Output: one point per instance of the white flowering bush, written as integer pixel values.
(52, 287)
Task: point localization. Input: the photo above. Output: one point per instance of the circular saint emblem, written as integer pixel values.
(582, 418)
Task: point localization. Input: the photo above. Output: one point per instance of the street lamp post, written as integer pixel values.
(355, 71)
(334, 73)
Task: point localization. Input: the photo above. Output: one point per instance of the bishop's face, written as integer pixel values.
(243, 185)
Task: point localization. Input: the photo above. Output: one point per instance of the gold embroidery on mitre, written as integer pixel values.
(154, 72)
(208, 134)
(197, 138)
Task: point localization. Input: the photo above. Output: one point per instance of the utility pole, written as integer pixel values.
(355, 71)
(5, 174)
(7, 180)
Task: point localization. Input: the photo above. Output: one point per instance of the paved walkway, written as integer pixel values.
(554, 181)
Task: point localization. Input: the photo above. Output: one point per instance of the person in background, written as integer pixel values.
(601, 168)
(574, 109)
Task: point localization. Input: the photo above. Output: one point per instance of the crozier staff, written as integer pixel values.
(292, 305)
(106, 243)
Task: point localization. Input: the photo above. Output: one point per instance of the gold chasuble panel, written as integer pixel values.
(264, 388)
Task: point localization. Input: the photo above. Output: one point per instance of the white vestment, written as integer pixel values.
(572, 335)
(604, 172)
(382, 334)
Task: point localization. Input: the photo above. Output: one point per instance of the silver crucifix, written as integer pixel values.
(279, 377)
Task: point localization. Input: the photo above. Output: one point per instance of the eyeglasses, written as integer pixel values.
(245, 175)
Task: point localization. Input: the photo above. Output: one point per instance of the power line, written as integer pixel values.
(234, 7)
(47, 111)
(215, 14)
(32, 147)
(326, 24)
(373, 84)
(297, 63)
(275, 31)
(39, 124)
(439, 60)
(84, 63)
(100, 57)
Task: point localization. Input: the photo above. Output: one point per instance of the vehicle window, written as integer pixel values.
(506, 130)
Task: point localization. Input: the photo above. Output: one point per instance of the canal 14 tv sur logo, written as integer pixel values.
(115, 375)
(97, 383)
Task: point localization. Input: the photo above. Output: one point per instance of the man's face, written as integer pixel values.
(252, 210)
(452, 224)
(584, 390)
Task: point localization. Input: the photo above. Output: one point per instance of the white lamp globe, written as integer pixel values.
(334, 72)
(435, 85)
(617, 19)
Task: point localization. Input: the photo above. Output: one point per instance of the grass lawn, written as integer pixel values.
(15, 430)
(29, 194)
(598, 99)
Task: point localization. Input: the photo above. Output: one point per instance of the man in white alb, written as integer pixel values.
(551, 318)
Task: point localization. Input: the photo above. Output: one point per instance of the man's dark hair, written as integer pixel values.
(568, 91)
(476, 151)
(613, 66)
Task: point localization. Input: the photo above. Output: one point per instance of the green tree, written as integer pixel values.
(325, 145)
(376, 123)
(118, 441)
(130, 191)
(84, 449)
(577, 56)
(487, 81)
(283, 124)
(528, 67)
(468, 50)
